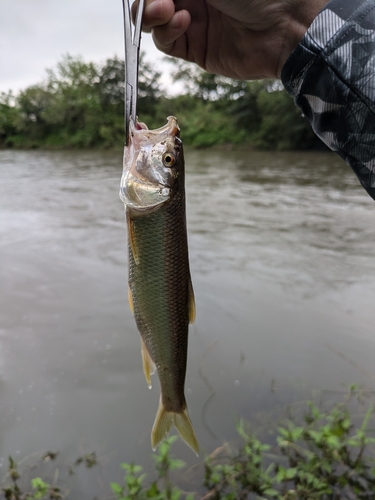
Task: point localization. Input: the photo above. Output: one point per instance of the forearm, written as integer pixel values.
(331, 75)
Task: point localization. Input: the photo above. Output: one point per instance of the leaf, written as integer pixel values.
(41, 487)
(270, 492)
(153, 491)
(116, 488)
(175, 463)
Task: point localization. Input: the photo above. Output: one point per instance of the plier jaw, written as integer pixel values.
(132, 46)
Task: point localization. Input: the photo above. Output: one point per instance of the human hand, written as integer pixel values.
(242, 39)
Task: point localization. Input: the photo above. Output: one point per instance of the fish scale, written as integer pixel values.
(160, 291)
(160, 294)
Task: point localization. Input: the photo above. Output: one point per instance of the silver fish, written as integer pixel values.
(160, 291)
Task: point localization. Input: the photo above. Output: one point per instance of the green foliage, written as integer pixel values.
(245, 108)
(327, 455)
(81, 104)
(78, 105)
(203, 85)
(20, 487)
(243, 474)
(259, 112)
(203, 125)
(281, 123)
(323, 458)
(9, 116)
(39, 488)
(161, 489)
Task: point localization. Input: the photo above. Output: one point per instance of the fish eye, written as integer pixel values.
(169, 159)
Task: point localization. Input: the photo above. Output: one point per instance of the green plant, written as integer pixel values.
(42, 489)
(20, 487)
(325, 458)
(242, 474)
(322, 457)
(162, 488)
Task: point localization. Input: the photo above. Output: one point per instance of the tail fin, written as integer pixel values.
(182, 422)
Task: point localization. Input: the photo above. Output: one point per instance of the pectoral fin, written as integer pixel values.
(191, 303)
(131, 237)
(148, 365)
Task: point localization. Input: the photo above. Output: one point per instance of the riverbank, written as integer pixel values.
(80, 105)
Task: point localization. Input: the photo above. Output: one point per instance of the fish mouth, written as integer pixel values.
(140, 135)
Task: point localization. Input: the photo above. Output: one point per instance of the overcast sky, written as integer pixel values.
(34, 34)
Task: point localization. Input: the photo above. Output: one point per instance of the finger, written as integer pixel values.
(166, 36)
(156, 13)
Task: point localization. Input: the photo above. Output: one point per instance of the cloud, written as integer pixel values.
(34, 34)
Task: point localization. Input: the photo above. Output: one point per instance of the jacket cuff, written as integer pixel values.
(331, 75)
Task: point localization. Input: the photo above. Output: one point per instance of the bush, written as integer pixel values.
(326, 457)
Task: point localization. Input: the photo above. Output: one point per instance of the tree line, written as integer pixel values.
(81, 105)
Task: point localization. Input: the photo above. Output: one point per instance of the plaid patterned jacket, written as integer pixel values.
(331, 75)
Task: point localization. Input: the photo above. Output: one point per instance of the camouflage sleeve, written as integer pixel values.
(331, 75)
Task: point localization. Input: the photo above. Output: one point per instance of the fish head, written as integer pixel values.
(153, 166)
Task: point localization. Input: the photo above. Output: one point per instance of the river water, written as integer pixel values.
(282, 257)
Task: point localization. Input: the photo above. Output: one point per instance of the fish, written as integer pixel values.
(160, 291)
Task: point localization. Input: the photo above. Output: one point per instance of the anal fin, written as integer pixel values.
(192, 310)
(148, 365)
(130, 300)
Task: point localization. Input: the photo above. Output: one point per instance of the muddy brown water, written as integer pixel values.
(282, 250)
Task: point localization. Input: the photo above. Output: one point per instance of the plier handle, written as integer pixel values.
(132, 45)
